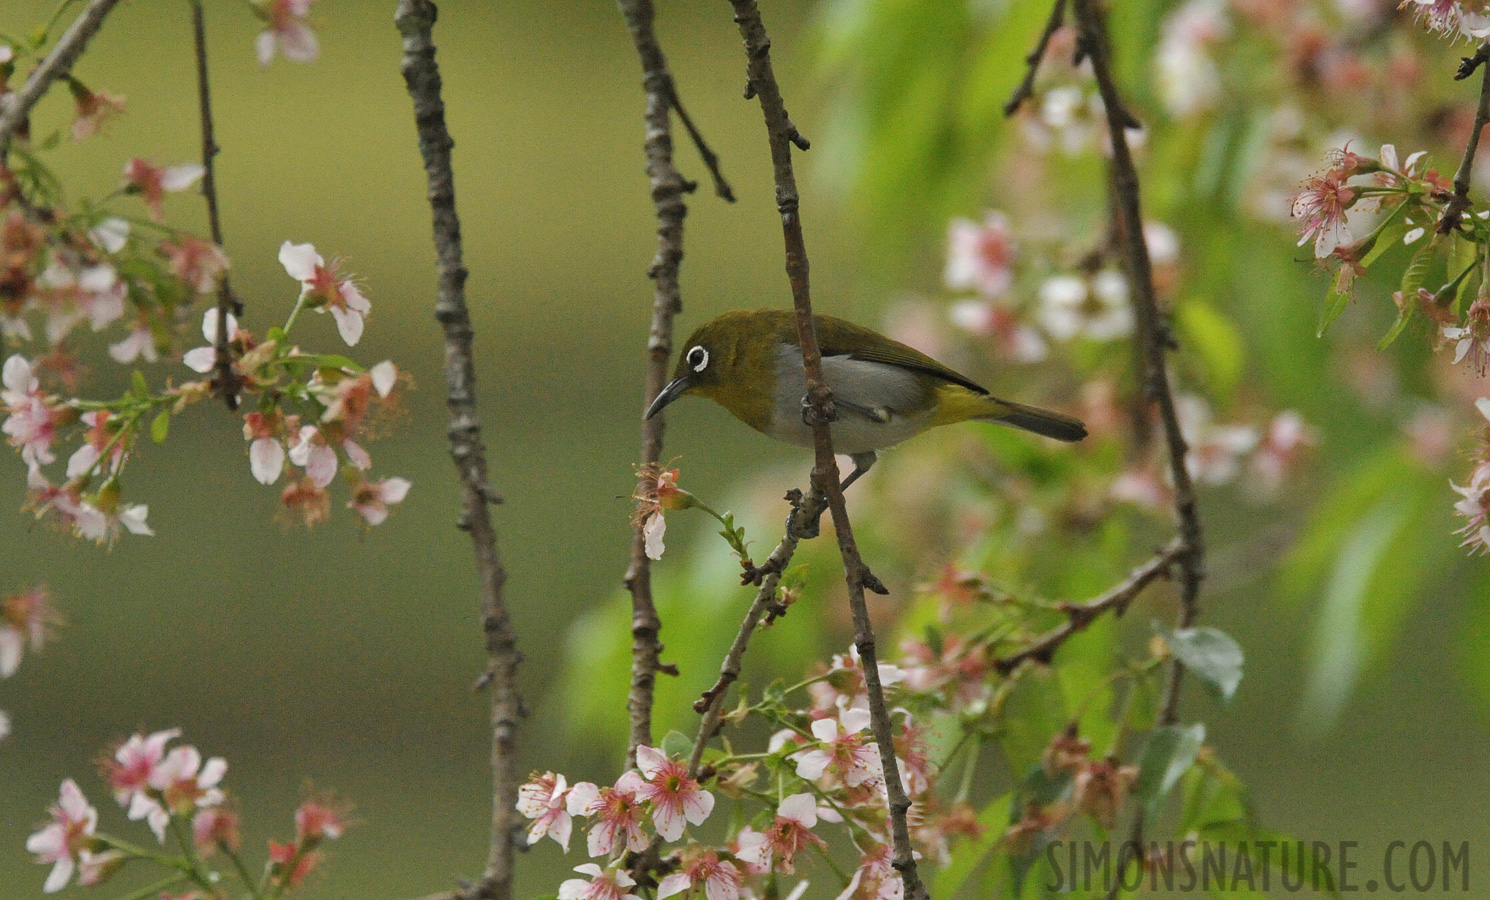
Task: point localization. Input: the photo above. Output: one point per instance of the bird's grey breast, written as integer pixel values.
(879, 404)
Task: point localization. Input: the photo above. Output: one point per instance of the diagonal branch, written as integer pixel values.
(1079, 615)
(1032, 62)
(803, 518)
(1453, 211)
(415, 20)
(16, 106)
(227, 380)
(818, 410)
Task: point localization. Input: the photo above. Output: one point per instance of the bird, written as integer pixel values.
(749, 361)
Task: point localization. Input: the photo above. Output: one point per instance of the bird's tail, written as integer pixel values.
(1031, 418)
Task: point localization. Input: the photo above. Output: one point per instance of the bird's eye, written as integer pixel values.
(698, 359)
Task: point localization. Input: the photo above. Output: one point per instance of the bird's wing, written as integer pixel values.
(840, 338)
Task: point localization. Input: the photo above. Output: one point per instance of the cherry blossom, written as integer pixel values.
(318, 819)
(94, 108)
(311, 502)
(606, 884)
(1450, 18)
(1189, 79)
(661, 493)
(777, 847)
(152, 182)
(618, 811)
(876, 878)
(980, 257)
(198, 263)
(673, 795)
(1321, 204)
(542, 800)
(1474, 506)
(180, 785)
(103, 520)
(95, 293)
(25, 619)
(844, 752)
(844, 687)
(213, 827)
(325, 288)
(203, 359)
(1472, 339)
(68, 835)
(32, 424)
(1216, 451)
(134, 764)
(266, 451)
(1014, 340)
(1284, 442)
(138, 344)
(1071, 307)
(85, 459)
(290, 863)
(312, 453)
(110, 235)
(720, 879)
(371, 499)
(287, 31)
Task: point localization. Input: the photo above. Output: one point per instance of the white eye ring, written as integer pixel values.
(698, 359)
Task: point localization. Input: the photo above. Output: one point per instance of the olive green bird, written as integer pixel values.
(750, 362)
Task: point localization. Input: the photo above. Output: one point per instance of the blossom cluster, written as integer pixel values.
(179, 796)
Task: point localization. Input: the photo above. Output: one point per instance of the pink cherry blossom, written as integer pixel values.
(777, 847)
(25, 619)
(1450, 18)
(980, 257)
(138, 344)
(543, 801)
(213, 827)
(311, 452)
(1472, 339)
(325, 288)
(1216, 450)
(32, 423)
(1283, 444)
(876, 878)
(844, 686)
(844, 752)
(266, 452)
(1321, 204)
(673, 795)
(135, 762)
(67, 836)
(607, 884)
(104, 519)
(618, 811)
(1013, 340)
(183, 783)
(320, 818)
(198, 263)
(371, 499)
(720, 879)
(287, 32)
(85, 459)
(203, 359)
(94, 108)
(1474, 506)
(151, 182)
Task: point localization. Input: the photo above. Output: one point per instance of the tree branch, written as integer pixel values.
(1453, 211)
(799, 523)
(1032, 62)
(16, 106)
(226, 381)
(415, 20)
(818, 410)
(1079, 615)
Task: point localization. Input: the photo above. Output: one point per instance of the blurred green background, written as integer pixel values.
(347, 658)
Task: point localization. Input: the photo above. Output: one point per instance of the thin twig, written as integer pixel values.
(415, 20)
(818, 409)
(1453, 211)
(710, 158)
(1032, 62)
(668, 188)
(227, 381)
(1079, 615)
(799, 523)
(14, 107)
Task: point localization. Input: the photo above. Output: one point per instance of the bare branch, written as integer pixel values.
(710, 158)
(415, 20)
(818, 410)
(226, 381)
(1453, 211)
(15, 107)
(799, 523)
(1079, 615)
(1032, 62)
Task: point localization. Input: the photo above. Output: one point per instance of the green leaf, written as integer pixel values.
(1215, 339)
(1334, 305)
(1417, 271)
(138, 385)
(1212, 655)
(1390, 237)
(161, 427)
(1168, 755)
(677, 745)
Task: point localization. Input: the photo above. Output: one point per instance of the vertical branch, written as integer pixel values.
(668, 188)
(16, 106)
(227, 380)
(818, 410)
(415, 19)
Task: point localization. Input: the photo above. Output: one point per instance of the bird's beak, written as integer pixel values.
(675, 389)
